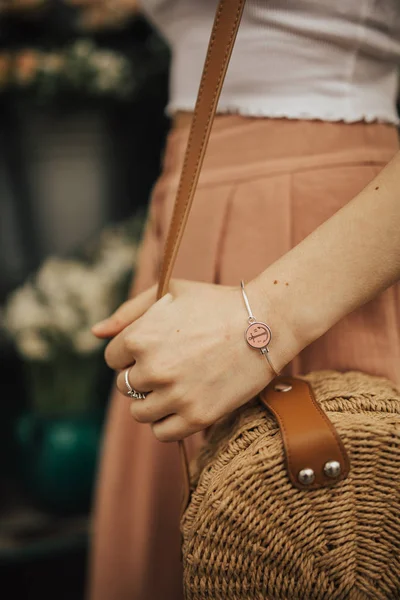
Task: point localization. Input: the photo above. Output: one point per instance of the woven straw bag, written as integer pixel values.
(250, 534)
(297, 495)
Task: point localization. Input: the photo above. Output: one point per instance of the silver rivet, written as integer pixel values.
(332, 469)
(306, 476)
(282, 387)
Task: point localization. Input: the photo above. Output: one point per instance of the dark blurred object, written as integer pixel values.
(21, 25)
(19, 252)
(53, 20)
(12, 397)
(27, 534)
(42, 557)
(44, 67)
(58, 459)
(70, 163)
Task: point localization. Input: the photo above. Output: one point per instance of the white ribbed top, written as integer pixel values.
(311, 59)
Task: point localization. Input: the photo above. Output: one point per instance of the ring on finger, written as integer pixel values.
(132, 393)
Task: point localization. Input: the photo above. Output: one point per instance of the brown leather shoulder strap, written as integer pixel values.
(226, 25)
(223, 36)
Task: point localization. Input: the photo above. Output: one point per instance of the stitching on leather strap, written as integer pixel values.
(172, 245)
(329, 425)
(189, 145)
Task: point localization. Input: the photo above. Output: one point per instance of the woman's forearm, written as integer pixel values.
(342, 265)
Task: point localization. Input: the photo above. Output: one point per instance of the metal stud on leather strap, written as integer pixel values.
(332, 469)
(306, 476)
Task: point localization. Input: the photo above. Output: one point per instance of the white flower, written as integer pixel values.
(56, 311)
(66, 318)
(32, 346)
(116, 263)
(75, 293)
(24, 310)
(52, 63)
(111, 70)
(93, 296)
(83, 48)
(52, 278)
(106, 61)
(86, 343)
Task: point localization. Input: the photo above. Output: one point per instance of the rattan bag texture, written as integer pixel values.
(250, 535)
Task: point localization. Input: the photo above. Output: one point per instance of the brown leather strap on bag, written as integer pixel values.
(223, 36)
(314, 453)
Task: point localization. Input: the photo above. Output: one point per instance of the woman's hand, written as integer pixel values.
(188, 350)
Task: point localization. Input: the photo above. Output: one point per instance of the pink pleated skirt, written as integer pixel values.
(266, 184)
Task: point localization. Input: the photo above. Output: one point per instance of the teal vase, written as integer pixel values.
(58, 459)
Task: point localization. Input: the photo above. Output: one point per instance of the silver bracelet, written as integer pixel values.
(258, 335)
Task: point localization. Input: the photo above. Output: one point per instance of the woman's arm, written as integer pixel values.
(189, 349)
(343, 264)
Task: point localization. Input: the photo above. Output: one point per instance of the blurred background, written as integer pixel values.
(83, 88)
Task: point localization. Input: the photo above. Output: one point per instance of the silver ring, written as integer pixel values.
(132, 393)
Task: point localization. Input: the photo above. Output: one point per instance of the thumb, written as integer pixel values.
(126, 314)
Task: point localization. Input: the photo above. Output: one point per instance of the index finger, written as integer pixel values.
(127, 313)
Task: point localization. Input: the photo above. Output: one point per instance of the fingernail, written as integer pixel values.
(101, 325)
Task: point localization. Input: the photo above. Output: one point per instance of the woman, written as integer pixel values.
(308, 119)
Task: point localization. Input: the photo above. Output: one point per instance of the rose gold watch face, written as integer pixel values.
(258, 335)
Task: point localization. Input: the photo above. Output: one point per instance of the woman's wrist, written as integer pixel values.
(271, 304)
